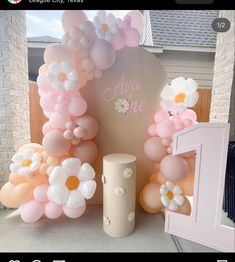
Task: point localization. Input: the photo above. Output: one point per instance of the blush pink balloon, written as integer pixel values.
(132, 37)
(165, 128)
(46, 104)
(89, 124)
(32, 211)
(47, 113)
(74, 212)
(179, 126)
(58, 120)
(102, 54)
(152, 130)
(56, 52)
(154, 150)
(46, 128)
(86, 151)
(62, 109)
(77, 106)
(40, 193)
(119, 40)
(189, 114)
(52, 210)
(187, 122)
(55, 144)
(72, 18)
(160, 116)
(166, 141)
(174, 168)
(43, 83)
(137, 20)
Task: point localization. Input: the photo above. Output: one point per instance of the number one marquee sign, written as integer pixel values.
(210, 141)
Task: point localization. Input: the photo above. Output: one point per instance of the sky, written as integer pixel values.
(45, 22)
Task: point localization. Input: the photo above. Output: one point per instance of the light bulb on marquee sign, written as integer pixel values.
(210, 141)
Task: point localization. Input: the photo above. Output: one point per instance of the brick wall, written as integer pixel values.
(14, 104)
(224, 74)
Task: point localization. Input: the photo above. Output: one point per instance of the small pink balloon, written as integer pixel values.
(89, 124)
(169, 150)
(43, 83)
(189, 114)
(40, 193)
(75, 141)
(166, 141)
(56, 52)
(72, 18)
(68, 134)
(46, 128)
(160, 116)
(70, 125)
(79, 132)
(62, 99)
(77, 106)
(179, 126)
(154, 150)
(86, 151)
(47, 114)
(32, 211)
(132, 37)
(46, 104)
(174, 168)
(58, 120)
(175, 119)
(137, 20)
(187, 122)
(152, 130)
(74, 212)
(165, 128)
(61, 108)
(52, 210)
(119, 40)
(55, 144)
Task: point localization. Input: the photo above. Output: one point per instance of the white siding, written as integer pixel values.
(196, 65)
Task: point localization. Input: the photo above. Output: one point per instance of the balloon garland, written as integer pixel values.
(169, 187)
(56, 177)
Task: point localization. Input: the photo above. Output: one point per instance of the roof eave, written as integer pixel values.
(189, 49)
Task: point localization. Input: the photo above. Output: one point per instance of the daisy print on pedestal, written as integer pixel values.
(26, 162)
(62, 76)
(180, 95)
(122, 106)
(171, 196)
(106, 25)
(71, 183)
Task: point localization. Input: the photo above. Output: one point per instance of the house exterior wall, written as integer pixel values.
(223, 73)
(196, 65)
(14, 105)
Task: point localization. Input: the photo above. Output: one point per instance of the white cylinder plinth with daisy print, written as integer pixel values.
(119, 194)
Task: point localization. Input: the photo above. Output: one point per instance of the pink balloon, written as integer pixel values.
(61, 108)
(154, 150)
(72, 18)
(174, 168)
(89, 30)
(179, 126)
(189, 114)
(46, 128)
(62, 99)
(55, 144)
(152, 130)
(47, 104)
(56, 52)
(52, 210)
(31, 211)
(160, 116)
(68, 134)
(77, 106)
(166, 141)
(175, 119)
(86, 151)
(40, 193)
(47, 113)
(137, 20)
(165, 128)
(43, 83)
(74, 212)
(187, 122)
(89, 124)
(119, 40)
(132, 37)
(102, 54)
(58, 120)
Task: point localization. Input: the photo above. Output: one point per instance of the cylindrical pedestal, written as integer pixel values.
(119, 186)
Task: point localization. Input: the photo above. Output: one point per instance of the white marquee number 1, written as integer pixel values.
(210, 141)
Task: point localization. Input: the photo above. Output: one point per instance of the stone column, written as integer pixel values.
(14, 102)
(224, 75)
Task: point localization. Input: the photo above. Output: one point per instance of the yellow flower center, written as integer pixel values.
(72, 183)
(105, 27)
(62, 77)
(180, 98)
(122, 106)
(170, 195)
(27, 163)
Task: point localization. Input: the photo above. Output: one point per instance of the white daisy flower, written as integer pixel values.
(180, 95)
(122, 105)
(106, 220)
(119, 191)
(71, 183)
(25, 162)
(62, 76)
(131, 216)
(128, 172)
(106, 25)
(171, 195)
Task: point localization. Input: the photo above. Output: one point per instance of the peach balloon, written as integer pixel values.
(16, 179)
(187, 184)
(6, 198)
(157, 178)
(174, 168)
(72, 18)
(37, 179)
(82, 78)
(32, 146)
(42, 68)
(56, 53)
(154, 150)
(185, 209)
(86, 151)
(22, 193)
(150, 199)
(191, 162)
(90, 125)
